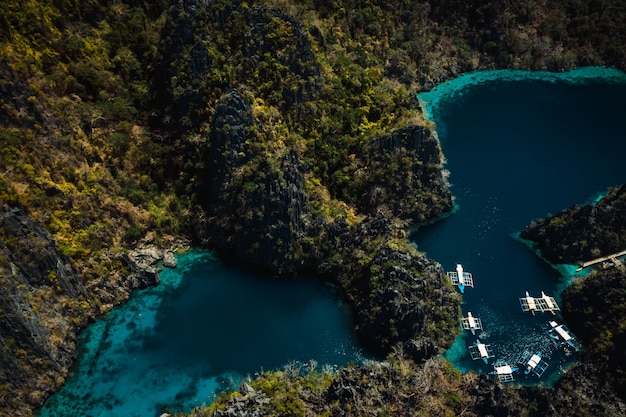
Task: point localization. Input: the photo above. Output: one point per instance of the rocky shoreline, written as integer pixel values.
(593, 306)
(286, 137)
(45, 304)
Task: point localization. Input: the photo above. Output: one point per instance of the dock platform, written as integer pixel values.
(611, 258)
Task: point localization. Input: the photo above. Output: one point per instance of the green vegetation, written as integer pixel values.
(583, 233)
(107, 132)
(596, 308)
(76, 152)
(395, 387)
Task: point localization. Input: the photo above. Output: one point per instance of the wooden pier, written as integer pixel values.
(612, 258)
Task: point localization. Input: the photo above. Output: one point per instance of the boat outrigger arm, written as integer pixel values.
(545, 303)
(461, 278)
(471, 323)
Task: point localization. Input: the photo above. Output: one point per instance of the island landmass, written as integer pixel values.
(284, 135)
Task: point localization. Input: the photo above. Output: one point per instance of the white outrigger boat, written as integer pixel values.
(550, 304)
(560, 335)
(471, 323)
(545, 303)
(480, 350)
(503, 371)
(533, 363)
(461, 278)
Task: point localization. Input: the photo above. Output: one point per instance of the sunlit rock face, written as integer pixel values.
(37, 331)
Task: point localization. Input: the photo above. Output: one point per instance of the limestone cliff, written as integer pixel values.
(44, 303)
(271, 192)
(595, 310)
(257, 205)
(582, 233)
(281, 133)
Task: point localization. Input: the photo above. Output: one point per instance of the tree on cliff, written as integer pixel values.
(284, 133)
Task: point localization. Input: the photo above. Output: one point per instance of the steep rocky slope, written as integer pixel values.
(44, 302)
(283, 134)
(582, 233)
(595, 306)
(263, 195)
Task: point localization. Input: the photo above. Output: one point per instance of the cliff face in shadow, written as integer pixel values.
(284, 135)
(594, 307)
(43, 305)
(280, 191)
(258, 207)
(582, 233)
(595, 310)
(39, 330)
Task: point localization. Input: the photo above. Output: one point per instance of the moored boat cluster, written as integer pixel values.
(531, 363)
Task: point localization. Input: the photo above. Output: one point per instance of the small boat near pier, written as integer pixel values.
(480, 350)
(561, 336)
(503, 371)
(543, 304)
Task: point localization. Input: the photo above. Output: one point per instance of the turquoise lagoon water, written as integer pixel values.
(519, 146)
(206, 327)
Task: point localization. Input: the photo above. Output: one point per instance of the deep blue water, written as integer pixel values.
(519, 146)
(202, 330)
